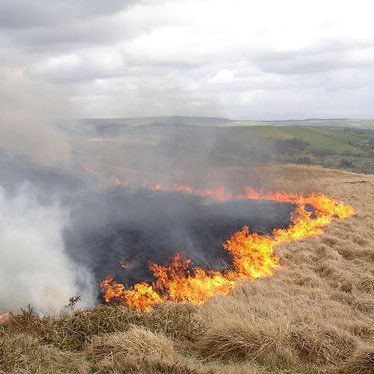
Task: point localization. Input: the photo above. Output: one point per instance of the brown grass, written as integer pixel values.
(113, 351)
(361, 363)
(23, 353)
(316, 314)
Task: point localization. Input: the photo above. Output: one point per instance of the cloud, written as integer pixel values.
(22, 14)
(215, 52)
(75, 67)
(223, 76)
(315, 60)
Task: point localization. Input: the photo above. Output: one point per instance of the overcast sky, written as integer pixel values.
(265, 59)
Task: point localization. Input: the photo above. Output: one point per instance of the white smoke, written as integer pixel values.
(34, 268)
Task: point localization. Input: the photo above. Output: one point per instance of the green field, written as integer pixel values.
(347, 148)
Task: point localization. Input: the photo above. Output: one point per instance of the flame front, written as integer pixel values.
(253, 254)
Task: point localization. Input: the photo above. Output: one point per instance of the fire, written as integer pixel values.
(252, 254)
(151, 186)
(141, 296)
(219, 193)
(183, 284)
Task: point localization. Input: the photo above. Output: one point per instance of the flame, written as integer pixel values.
(252, 254)
(151, 186)
(219, 193)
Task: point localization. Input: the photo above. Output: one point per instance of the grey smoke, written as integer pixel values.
(27, 113)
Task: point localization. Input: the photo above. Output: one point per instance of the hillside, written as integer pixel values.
(346, 148)
(314, 315)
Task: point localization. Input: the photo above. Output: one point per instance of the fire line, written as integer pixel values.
(252, 254)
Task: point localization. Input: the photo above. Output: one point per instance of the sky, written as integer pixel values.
(250, 59)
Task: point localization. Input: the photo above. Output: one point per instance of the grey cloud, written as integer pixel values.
(44, 26)
(117, 58)
(41, 13)
(86, 33)
(317, 59)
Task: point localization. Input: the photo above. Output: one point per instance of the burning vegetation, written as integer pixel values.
(314, 315)
(252, 254)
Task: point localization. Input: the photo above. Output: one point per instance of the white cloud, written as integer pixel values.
(223, 76)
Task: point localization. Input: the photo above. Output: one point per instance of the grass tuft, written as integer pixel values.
(361, 363)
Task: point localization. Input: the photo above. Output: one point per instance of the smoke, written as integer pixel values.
(27, 111)
(34, 268)
(44, 257)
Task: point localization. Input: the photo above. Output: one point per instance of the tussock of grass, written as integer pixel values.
(72, 332)
(239, 340)
(309, 317)
(22, 353)
(362, 330)
(322, 345)
(231, 368)
(361, 363)
(179, 321)
(112, 351)
(366, 284)
(146, 366)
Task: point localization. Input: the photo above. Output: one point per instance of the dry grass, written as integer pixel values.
(113, 351)
(362, 362)
(23, 353)
(315, 315)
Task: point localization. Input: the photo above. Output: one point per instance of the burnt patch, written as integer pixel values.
(133, 228)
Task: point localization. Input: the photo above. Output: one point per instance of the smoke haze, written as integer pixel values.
(27, 111)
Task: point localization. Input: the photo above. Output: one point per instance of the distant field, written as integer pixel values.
(347, 148)
(332, 122)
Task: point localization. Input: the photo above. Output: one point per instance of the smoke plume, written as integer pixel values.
(35, 269)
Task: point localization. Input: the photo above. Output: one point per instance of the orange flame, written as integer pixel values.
(253, 254)
(219, 193)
